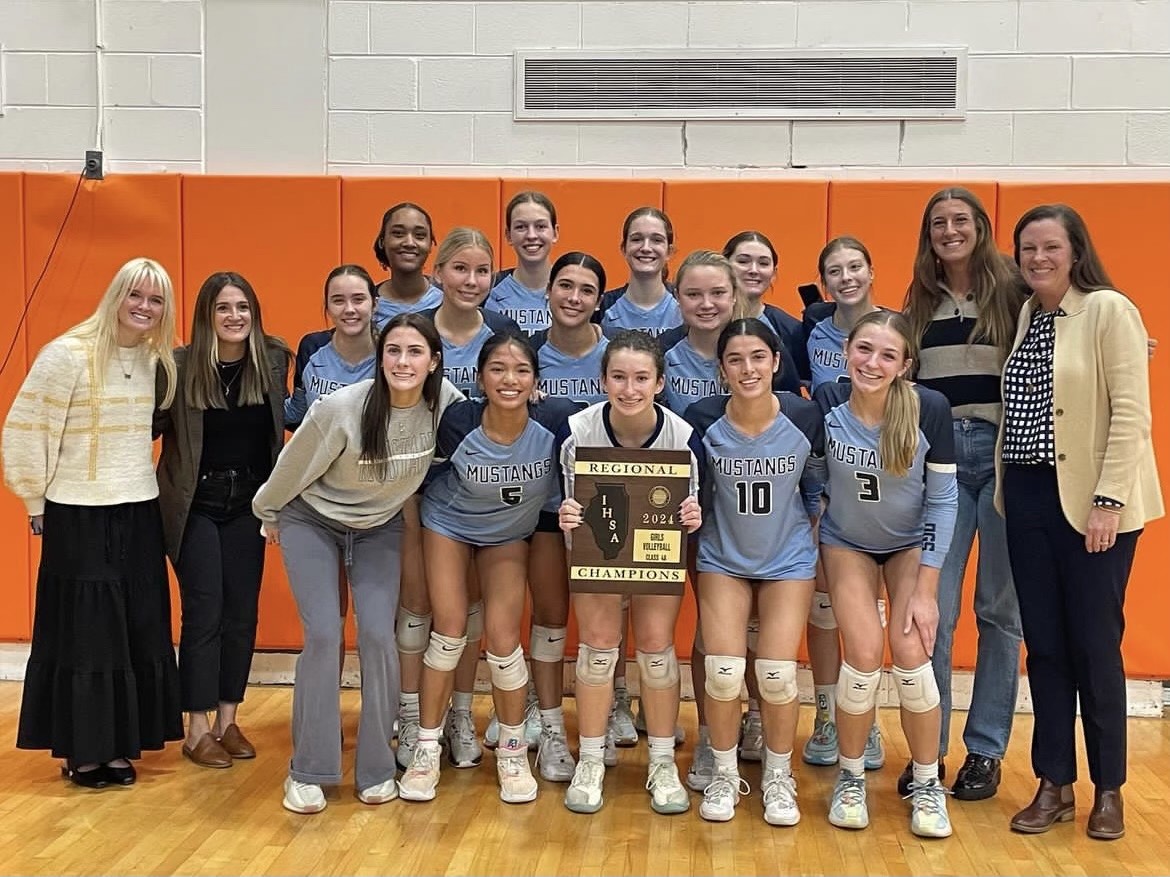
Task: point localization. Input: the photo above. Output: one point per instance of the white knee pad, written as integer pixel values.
(443, 652)
(547, 644)
(724, 676)
(857, 691)
(658, 669)
(821, 614)
(475, 622)
(777, 681)
(508, 673)
(753, 633)
(595, 666)
(917, 688)
(413, 632)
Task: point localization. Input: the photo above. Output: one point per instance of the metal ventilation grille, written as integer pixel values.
(787, 84)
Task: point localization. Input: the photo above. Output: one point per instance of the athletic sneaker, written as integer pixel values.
(751, 737)
(621, 720)
(517, 785)
(821, 748)
(701, 773)
(380, 793)
(848, 809)
(680, 735)
(553, 759)
(667, 795)
(422, 777)
(928, 809)
(611, 757)
(303, 797)
(462, 748)
(721, 796)
(532, 722)
(875, 752)
(780, 798)
(584, 792)
(491, 734)
(407, 740)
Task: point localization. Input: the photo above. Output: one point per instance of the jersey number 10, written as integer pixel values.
(753, 497)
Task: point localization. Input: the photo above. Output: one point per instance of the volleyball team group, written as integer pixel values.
(422, 467)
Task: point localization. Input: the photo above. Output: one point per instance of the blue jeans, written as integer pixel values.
(997, 612)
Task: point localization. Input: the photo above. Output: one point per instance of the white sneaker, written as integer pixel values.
(751, 737)
(422, 776)
(667, 795)
(303, 797)
(848, 808)
(517, 785)
(721, 796)
(532, 722)
(680, 736)
(491, 734)
(584, 792)
(875, 752)
(611, 756)
(407, 740)
(701, 773)
(553, 759)
(928, 810)
(780, 798)
(380, 793)
(821, 748)
(621, 720)
(462, 747)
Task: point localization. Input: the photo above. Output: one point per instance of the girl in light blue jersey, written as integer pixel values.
(530, 227)
(892, 500)
(570, 350)
(481, 508)
(762, 488)
(645, 301)
(403, 243)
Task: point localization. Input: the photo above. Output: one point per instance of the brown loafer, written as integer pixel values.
(236, 744)
(208, 753)
(1052, 804)
(1107, 821)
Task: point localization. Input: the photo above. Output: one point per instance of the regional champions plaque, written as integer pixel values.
(631, 540)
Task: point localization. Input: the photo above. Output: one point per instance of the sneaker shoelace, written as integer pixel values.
(589, 773)
(408, 734)
(929, 798)
(723, 788)
(514, 766)
(554, 743)
(462, 729)
(825, 732)
(662, 773)
(425, 759)
(780, 789)
(850, 791)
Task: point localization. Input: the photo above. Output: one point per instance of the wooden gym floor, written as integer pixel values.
(181, 819)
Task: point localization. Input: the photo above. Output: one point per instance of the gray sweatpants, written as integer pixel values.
(312, 546)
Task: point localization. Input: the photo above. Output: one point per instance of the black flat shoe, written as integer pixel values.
(120, 776)
(87, 779)
(978, 778)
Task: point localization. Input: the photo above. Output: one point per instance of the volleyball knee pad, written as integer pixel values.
(857, 691)
(753, 633)
(821, 614)
(475, 621)
(595, 666)
(724, 676)
(508, 673)
(658, 669)
(413, 632)
(777, 681)
(547, 644)
(443, 652)
(917, 688)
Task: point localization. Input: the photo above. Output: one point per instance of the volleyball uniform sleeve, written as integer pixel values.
(942, 489)
(807, 417)
(498, 323)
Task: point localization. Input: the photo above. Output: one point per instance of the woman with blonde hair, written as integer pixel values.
(101, 683)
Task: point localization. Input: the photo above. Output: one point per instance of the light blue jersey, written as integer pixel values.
(690, 376)
(487, 493)
(869, 508)
(572, 377)
(461, 362)
(323, 372)
(826, 353)
(760, 491)
(385, 310)
(616, 312)
(528, 307)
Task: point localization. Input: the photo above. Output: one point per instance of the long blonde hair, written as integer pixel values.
(898, 435)
(100, 329)
(712, 259)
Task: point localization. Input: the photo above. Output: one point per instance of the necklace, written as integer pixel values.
(133, 362)
(222, 369)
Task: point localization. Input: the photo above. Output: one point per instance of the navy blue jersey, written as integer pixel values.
(690, 376)
(760, 491)
(486, 493)
(792, 340)
(385, 309)
(320, 371)
(616, 312)
(528, 307)
(873, 510)
(460, 362)
(826, 353)
(573, 377)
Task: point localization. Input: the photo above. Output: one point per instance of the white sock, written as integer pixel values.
(592, 747)
(661, 748)
(512, 738)
(408, 706)
(781, 761)
(554, 719)
(726, 760)
(826, 698)
(429, 735)
(924, 773)
(855, 766)
(461, 700)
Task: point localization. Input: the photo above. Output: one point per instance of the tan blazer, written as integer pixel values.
(1100, 409)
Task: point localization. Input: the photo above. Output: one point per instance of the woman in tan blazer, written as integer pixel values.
(1076, 484)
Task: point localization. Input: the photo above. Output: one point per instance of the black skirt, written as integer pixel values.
(101, 682)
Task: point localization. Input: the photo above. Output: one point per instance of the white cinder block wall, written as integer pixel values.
(1057, 88)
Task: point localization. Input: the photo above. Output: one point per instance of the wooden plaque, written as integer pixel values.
(631, 540)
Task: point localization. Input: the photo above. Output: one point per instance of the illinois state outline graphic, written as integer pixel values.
(608, 519)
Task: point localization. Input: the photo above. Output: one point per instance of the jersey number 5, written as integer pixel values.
(753, 497)
(868, 490)
(512, 494)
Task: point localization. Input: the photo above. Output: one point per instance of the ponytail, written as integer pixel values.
(898, 437)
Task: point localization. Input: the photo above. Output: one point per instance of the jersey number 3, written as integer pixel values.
(753, 497)
(868, 487)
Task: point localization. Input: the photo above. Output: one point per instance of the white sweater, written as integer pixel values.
(64, 443)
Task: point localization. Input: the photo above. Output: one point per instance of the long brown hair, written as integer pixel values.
(1087, 273)
(997, 287)
(201, 382)
(898, 435)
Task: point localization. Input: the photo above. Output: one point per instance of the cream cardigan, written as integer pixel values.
(1100, 409)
